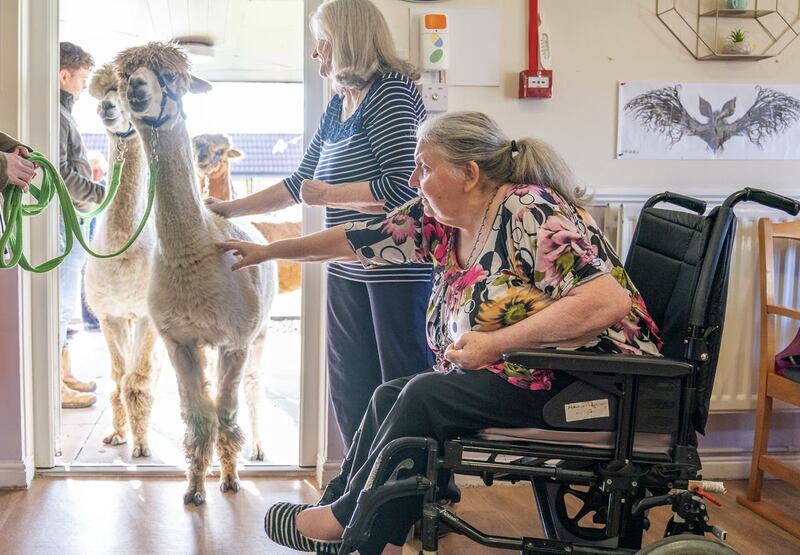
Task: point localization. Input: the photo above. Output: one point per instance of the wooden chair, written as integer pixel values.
(771, 385)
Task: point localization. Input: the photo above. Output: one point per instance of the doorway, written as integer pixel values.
(254, 58)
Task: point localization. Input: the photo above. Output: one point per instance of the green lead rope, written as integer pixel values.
(52, 185)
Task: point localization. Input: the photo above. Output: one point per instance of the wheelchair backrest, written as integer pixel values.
(679, 261)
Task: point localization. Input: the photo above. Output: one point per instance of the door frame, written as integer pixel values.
(38, 85)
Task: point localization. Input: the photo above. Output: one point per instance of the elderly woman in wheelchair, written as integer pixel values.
(519, 264)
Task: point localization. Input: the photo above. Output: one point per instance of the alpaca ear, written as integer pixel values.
(233, 153)
(197, 85)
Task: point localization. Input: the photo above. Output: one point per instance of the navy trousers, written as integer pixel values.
(375, 333)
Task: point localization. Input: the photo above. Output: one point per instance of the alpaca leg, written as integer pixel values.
(116, 332)
(254, 395)
(138, 385)
(230, 438)
(199, 415)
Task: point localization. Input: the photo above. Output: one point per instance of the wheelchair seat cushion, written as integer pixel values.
(643, 442)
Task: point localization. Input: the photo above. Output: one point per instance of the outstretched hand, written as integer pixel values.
(472, 351)
(218, 206)
(250, 253)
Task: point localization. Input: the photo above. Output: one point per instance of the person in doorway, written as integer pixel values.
(357, 165)
(15, 169)
(75, 65)
(99, 170)
(519, 264)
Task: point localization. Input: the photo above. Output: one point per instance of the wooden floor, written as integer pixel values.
(146, 516)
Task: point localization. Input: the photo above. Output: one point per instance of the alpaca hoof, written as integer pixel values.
(141, 451)
(115, 439)
(195, 497)
(229, 484)
(256, 453)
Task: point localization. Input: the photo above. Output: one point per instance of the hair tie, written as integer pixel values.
(514, 148)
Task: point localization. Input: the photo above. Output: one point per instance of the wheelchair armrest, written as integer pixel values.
(581, 361)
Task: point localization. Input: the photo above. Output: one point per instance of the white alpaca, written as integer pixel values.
(116, 288)
(195, 300)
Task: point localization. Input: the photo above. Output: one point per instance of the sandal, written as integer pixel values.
(280, 524)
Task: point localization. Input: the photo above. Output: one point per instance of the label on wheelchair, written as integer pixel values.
(586, 410)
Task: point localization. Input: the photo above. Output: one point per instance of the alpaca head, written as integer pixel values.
(212, 152)
(152, 81)
(104, 86)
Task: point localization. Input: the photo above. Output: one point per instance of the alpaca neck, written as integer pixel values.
(180, 214)
(219, 182)
(125, 212)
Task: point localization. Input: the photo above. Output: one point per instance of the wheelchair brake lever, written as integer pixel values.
(649, 502)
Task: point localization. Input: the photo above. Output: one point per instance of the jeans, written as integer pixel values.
(69, 276)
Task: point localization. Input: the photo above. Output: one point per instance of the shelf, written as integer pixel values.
(773, 27)
(733, 57)
(740, 14)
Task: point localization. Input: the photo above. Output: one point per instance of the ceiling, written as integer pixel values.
(254, 40)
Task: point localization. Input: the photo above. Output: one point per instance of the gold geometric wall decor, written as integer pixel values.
(704, 27)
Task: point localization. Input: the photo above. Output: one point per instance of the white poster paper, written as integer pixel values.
(708, 121)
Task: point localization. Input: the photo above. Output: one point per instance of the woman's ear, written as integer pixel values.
(472, 173)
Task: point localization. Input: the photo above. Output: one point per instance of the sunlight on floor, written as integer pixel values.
(83, 430)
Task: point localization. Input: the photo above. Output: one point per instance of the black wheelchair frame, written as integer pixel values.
(646, 394)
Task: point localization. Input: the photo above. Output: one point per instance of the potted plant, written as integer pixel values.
(738, 5)
(737, 43)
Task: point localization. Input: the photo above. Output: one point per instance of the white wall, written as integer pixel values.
(596, 44)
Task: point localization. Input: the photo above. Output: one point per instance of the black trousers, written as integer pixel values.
(436, 405)
(375, 333)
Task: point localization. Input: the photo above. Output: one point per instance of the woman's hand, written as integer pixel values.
(20, 150)
(314, 192)
(221, 207)
(250, 253)
(473, 350)
(20, 170)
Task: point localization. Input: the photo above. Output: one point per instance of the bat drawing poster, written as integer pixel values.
(708, 121)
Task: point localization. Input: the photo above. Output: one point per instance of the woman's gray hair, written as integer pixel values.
(463, 137)
(361, 44)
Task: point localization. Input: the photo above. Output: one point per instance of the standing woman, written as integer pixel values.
(358, 164)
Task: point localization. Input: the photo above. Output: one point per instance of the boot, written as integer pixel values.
(68, 379)
(71, 399)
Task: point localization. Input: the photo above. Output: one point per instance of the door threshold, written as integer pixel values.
(167, 471)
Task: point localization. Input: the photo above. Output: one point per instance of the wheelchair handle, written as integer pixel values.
(695, 205)
(773, 200)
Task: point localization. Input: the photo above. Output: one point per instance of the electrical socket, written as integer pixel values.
(434, 96)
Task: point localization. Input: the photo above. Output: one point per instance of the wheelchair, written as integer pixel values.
(638, 448)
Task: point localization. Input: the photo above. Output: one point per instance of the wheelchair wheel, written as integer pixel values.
(687, 544)
(590, 501)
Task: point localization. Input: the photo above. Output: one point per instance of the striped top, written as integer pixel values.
(376, 144)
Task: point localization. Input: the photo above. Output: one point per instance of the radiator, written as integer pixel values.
(736, 384)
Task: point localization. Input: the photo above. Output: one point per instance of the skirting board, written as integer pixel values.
(326, 470)
(737, 466)
(16, 474)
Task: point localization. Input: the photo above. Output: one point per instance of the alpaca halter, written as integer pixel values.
(166, 93)
(125, 134)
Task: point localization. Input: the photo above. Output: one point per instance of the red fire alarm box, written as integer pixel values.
(537, 80)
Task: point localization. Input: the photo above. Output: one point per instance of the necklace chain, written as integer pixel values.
(469, 260)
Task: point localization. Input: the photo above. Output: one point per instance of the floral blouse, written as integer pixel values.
(539, 248)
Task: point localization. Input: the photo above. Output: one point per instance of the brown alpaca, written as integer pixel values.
(212, 153)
